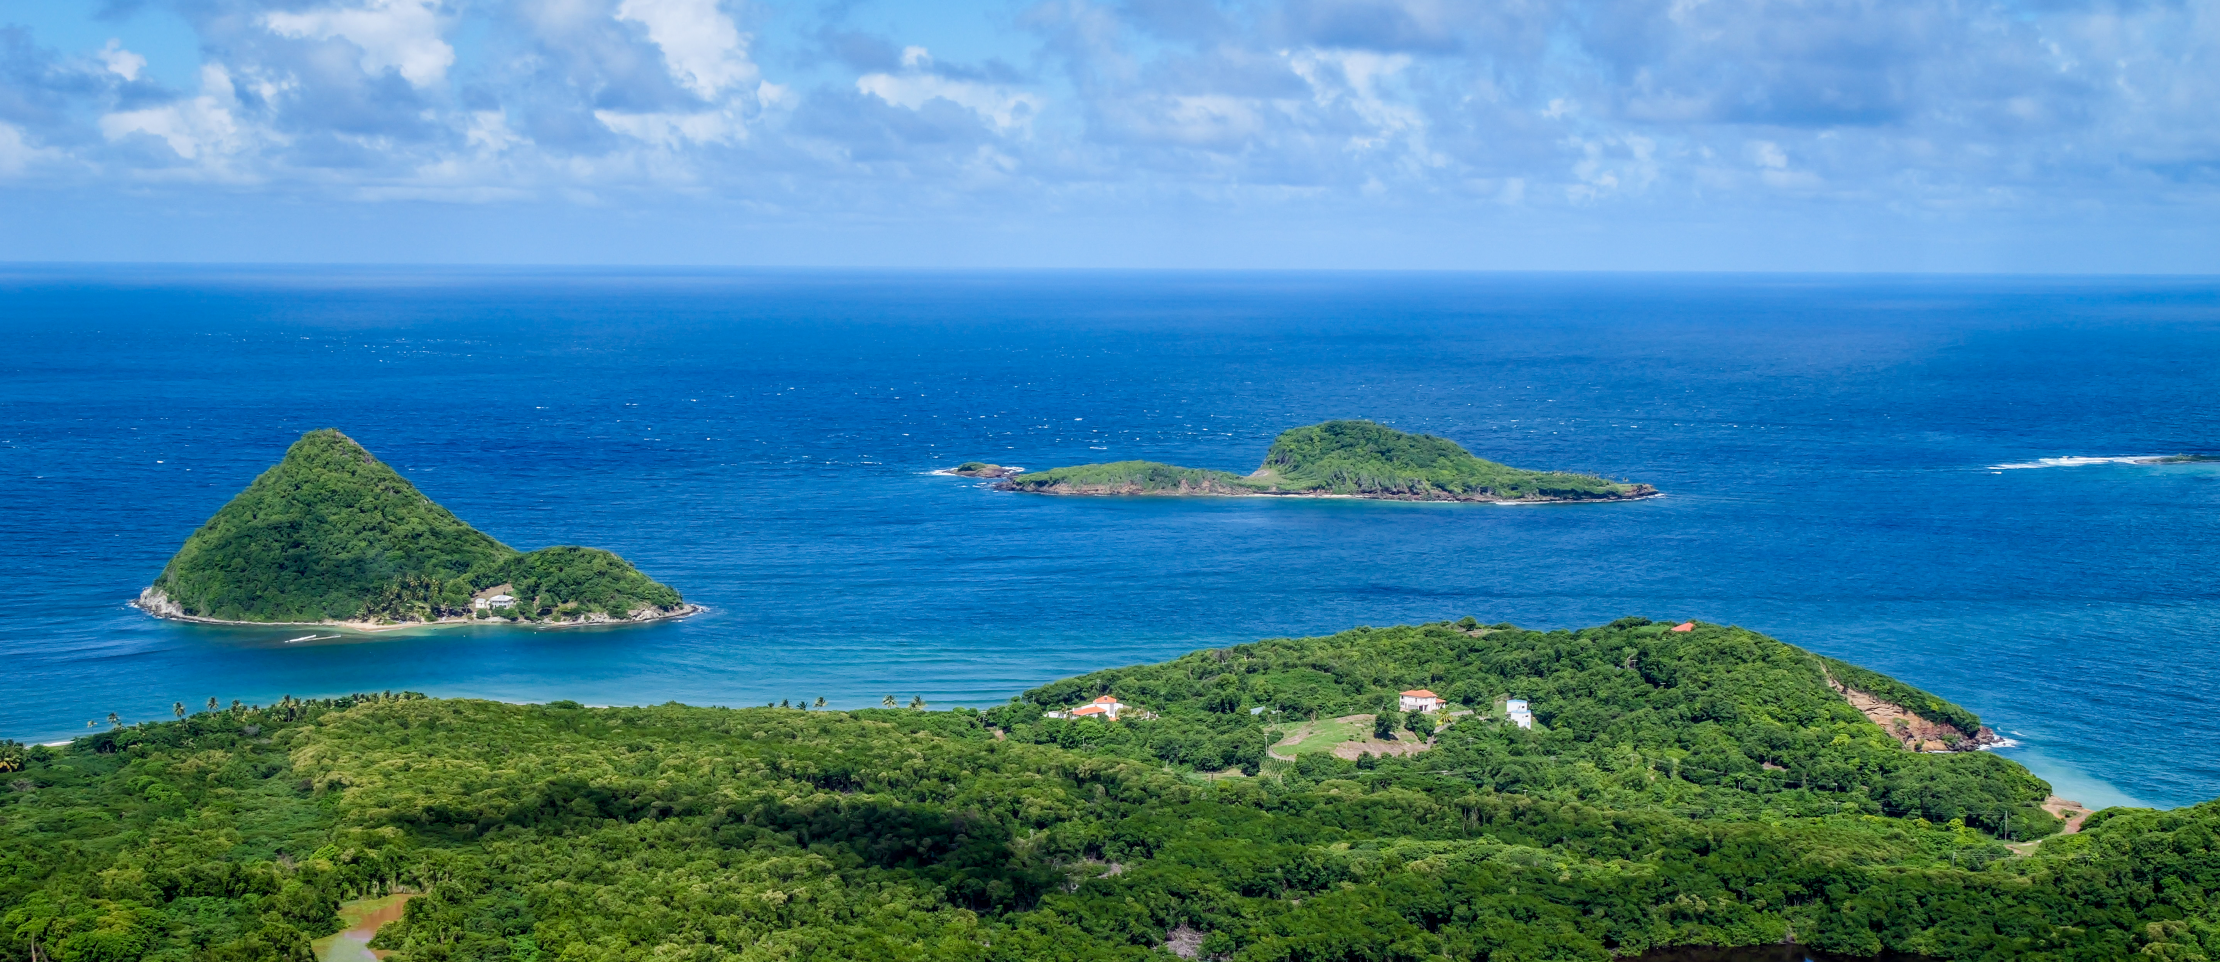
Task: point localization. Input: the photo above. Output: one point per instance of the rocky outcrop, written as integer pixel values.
(1219, 488)
(981, 469)
(154, 602)
(1911, 730)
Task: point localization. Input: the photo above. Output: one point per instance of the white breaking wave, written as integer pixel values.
(2075, 462)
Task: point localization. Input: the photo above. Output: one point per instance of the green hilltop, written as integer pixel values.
(333, 534)
(1705, 786)
(1358, 459)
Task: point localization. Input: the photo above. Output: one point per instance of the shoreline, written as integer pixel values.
(157, 604)
(1206, 493)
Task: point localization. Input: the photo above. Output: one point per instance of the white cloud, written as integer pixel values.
(123, 63)
(703, 49)
(489, 131)
(16, 153)
(400, 35)
(203, 128)
(672, 130)
(1007, 108)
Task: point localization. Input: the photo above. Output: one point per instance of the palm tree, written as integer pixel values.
(178, 709)
(888, 701)
(783, 704)
(236, 704)
(820, 703)
(113, 720)
(211, 703)
(918, 702)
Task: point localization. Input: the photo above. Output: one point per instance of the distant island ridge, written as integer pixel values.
(1335, 459)
(333, 536)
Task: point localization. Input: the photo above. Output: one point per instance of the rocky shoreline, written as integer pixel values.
(156, 602)
(1913, 731)
(1640, 492)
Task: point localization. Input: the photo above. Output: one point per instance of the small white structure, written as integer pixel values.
(1419, 699)
(1516, 710)
(501, 601)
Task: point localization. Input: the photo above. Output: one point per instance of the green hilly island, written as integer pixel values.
(1689, 784)
(1352, 459)
(333, 535)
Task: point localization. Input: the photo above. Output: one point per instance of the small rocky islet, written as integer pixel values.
(330, 535)
(1334, 459)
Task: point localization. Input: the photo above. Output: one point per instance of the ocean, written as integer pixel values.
(1901, 471)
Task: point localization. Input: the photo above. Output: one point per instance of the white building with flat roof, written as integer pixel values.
(1517, 713)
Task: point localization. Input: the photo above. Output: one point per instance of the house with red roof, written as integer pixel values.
(1419, 699)
(1105, 707)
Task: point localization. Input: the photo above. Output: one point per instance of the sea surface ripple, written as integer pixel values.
(1839, 455)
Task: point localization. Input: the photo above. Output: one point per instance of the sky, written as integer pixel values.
(1724, 135)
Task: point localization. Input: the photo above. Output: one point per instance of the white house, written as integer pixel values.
(1104, 707)
(1516, 710)
(501, 601)
(1419, 699)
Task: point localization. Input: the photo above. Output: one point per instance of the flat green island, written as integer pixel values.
(333, 536)
(1707, 786)
(1340, 459)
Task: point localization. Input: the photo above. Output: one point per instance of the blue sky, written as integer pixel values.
(1954, 135)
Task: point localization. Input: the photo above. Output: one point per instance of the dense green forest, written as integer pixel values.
(1348, 458)
(332, 533)
(1700, 787)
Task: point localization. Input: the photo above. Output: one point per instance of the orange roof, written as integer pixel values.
(1421, 693)
(1106, 700)
(1685, 626)
(1090, 710)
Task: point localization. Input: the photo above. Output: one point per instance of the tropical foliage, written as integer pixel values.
(330, 532)
(1352, 458)
(1623, 821)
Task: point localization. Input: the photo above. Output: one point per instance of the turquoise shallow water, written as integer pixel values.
(1841, 458)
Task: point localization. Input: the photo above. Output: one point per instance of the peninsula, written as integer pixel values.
(1369, 795)
(1340, 459)
(333, 536)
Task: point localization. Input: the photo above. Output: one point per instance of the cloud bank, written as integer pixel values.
(1351, 122)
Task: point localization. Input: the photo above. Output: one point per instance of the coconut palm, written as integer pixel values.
(918, 702)
(820, 703)
(113, 720)
(212, 703)
(888, 701)
(178, 708)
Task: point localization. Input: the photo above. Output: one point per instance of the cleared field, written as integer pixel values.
(1313, 737)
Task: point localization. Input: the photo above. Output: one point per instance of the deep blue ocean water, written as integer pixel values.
(1833, 452)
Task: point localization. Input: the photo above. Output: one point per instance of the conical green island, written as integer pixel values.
(332, 535)
(1346, 459)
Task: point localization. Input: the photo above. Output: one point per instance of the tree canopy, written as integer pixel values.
(1677, 789)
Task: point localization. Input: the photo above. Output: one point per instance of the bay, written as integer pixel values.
(1856, 465)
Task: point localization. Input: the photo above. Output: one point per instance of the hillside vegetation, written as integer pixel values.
(332, 533)
(1637, 813)
(1341, 458)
